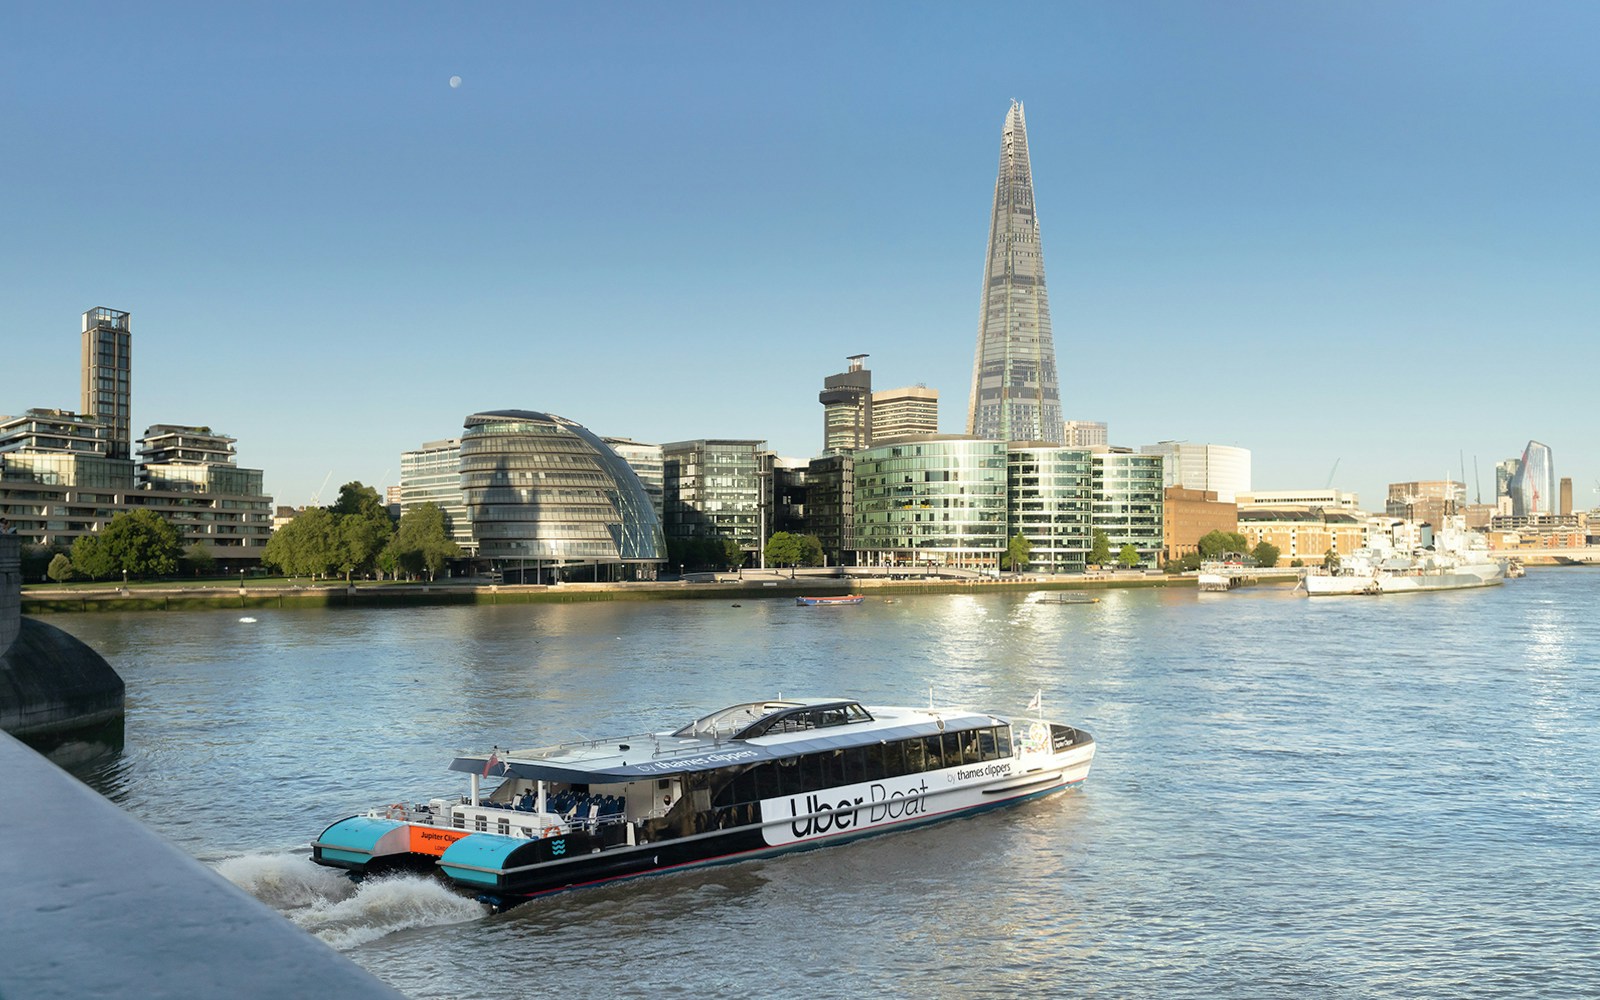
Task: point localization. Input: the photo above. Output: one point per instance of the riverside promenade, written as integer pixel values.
(750, 584)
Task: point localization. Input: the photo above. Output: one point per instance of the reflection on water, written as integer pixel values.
(1342, 797)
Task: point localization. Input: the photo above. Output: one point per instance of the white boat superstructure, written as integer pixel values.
(1459, 559)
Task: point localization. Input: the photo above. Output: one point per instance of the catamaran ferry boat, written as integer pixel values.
(813, 602)
(753, 780)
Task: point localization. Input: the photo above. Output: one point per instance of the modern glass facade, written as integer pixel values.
(713, 489)
(1051, 504)
(831, 507)
(1128, 502)
(1533, 487)
(930, 502)
(541, 487)
(432, 474)
(646, 462)
(1016, 392)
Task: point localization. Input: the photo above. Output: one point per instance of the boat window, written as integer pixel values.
(987, 750)
(953, 748)
(934, 754)
(894, 759)
(744, 786)
(855, 766)
(789, 777)
(766, 780)
(1002, 740)
(832, 717)
(916, 756)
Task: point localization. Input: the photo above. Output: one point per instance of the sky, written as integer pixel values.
(1356, 238)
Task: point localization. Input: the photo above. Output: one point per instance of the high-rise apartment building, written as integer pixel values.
(1050, 504)
(1085, 434)
(1016, 394)
(846, 400)
(931, 502)
(831, 506)
(1127, 502)
(905, 412)
(1533, 487)
(106, 377)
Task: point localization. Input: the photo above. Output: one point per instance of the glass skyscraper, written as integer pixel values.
(930, 502)
(107, 374)
(1016, 393)
(1533, 486)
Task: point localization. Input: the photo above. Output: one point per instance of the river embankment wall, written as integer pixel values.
(50, 681)
(97, 905)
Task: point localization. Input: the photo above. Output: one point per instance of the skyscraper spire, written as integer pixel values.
(1016, 394)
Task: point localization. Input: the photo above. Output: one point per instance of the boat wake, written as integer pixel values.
(343, 913)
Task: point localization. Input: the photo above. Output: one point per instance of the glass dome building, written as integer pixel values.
(542, 489)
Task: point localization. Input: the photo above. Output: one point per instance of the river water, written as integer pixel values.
(1342, 797)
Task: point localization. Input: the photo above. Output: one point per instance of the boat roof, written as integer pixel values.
(714, 741)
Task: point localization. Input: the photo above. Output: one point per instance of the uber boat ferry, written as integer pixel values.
(752, 780)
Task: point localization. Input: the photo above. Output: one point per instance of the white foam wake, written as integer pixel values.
(343, 913)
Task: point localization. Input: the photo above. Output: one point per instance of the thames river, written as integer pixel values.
(1342, 797)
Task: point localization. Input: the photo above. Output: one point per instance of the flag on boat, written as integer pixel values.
(1037, 702)
(493, 761)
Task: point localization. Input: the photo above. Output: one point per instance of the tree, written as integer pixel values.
(1017, 552)
(1330, 559)
(356, 498)
(199, 558)
(1216, 543)
(732, 554)
(422, 543)
(143, 544)
(1128, 557)
(1265, 554)
(306, 546)
(784, 549)
(810, 550)
(60, 568)
(1100, 550)
(361, 537)
(90, 558)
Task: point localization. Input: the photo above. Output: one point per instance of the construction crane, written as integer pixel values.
(316, 497)
(1331, 471)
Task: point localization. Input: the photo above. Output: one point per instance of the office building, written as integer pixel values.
(545, 494)
(1327, 499)
(930, 503)
(1016, 392)
(713, 489)
(1304, 533)
(831, 507)
(1126, 503)
(1428, 501)
(106, 377)
(1188, 516)
(1050, 503)
(785, 482)
(645, 460)
(846, 400)
(1533, 486)
(1216, 468)
(432, 474)
(912, 411)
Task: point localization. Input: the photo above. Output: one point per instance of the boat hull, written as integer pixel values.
(1335, 586)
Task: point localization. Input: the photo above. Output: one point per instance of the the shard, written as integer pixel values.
(1016, 394)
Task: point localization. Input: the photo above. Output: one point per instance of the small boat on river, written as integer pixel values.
(753, 780)
(812, 602)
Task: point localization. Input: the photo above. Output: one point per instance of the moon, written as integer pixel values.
(455, 81)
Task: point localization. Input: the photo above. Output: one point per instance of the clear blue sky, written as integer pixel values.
(1362, 233)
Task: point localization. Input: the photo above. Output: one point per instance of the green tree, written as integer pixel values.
(1018, 550)
(358, 499)
(732, 554)
(810, 550)
(362, 537)
(1265, 554)
(1330, 559)
(422, 544)
(60, 568)
(90, 558)
(306, 546)
(142, 544)
(1100, 549)
(1129, 556)
(1216, 543)
(784, 549)
(199, 558)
